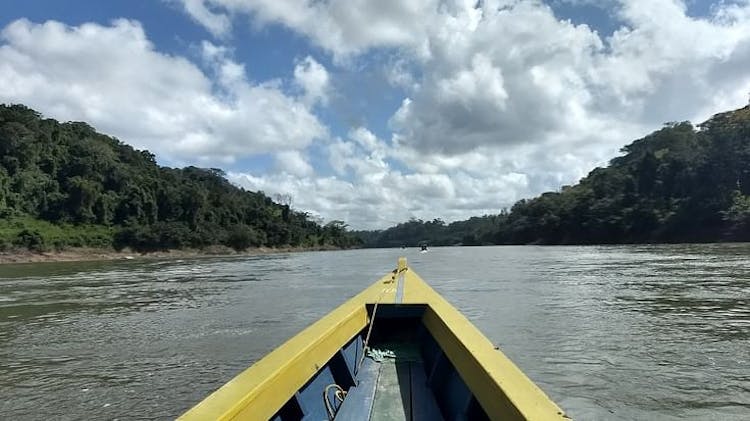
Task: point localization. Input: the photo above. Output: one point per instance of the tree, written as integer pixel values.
(66, 173)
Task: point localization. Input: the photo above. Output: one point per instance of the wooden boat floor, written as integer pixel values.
(400, 392)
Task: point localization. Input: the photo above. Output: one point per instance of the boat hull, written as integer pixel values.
(455, 372)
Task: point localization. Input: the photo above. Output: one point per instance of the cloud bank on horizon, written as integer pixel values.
(390, 109)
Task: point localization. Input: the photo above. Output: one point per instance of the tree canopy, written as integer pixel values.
(678, 184)
(64, 184)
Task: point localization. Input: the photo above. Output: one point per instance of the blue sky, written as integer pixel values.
(375, 112)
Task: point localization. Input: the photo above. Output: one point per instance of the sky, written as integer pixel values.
(375, 112)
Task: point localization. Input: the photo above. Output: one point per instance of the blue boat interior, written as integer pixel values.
(405, 375)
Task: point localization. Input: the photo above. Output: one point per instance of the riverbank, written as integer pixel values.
(93, 254)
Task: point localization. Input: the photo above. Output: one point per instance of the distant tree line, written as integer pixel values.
(64, 184)
(678, 184)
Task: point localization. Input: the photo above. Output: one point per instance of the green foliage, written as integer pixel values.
(37, 235)
(71, 186)
(157, 236)
(242, 237)
(739, 211)
(738, 216)
(677, 184)
(472, 232)
(30, 239)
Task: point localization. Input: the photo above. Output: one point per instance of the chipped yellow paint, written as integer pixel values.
(502, 390)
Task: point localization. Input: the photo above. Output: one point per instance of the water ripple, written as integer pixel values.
(615, 332)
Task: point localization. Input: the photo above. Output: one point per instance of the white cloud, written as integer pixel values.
(666, 66)
(368, 192)
(292, 162)
(362, 154)
(535, 72)
(113, 78)
(313, 79)
(343, 27)
(399, 74)
(218, 24)
(511, 76)
(375, 200)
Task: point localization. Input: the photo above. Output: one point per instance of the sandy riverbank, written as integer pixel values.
(88, 254)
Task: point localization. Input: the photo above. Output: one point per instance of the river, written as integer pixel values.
(620, 332)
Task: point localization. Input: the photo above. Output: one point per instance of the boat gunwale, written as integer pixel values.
(288, 367)
(500, 387)
(268, 384)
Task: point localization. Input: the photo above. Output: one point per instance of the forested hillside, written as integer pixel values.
(678, 184)
(64, 184)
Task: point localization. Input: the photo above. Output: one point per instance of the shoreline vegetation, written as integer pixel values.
(680, 184)
(65, 187)
(85, 254)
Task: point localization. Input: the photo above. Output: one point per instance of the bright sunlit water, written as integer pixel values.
(624, 332)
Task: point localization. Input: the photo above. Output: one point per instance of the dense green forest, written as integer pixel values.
(678, 184)
(65, 185)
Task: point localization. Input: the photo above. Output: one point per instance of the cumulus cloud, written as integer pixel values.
(343, 27)
(540, 62)
(218, 24)
(361, 205)
(665, 64)
(508, 72)
(113, 78)
(294, 163)
(368, 191)
(392, 197)
(313, 79)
